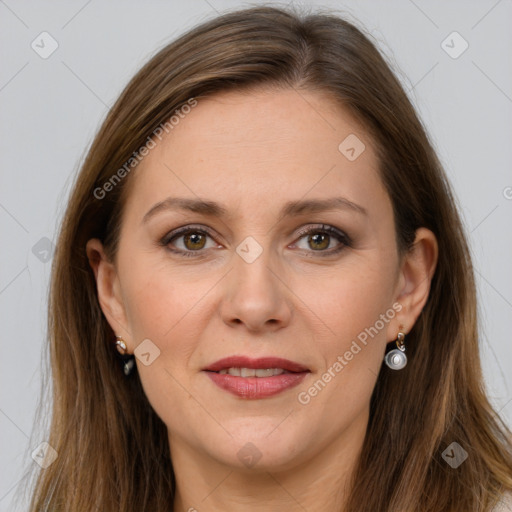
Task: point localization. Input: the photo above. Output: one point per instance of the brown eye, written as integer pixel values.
(194, 240)
(319, 241)
(187, 241)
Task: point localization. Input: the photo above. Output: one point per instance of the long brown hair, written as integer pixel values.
(113, 451)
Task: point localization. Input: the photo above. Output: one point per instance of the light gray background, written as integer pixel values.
(51, 108)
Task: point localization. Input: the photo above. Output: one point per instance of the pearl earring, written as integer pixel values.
(128, 359)
(396, 358)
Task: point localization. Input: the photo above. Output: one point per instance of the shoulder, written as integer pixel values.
(505, 504)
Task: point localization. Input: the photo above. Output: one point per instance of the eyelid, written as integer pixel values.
(327, 228)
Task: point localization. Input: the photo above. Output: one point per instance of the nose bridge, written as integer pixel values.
(255, 295)
(253, 264)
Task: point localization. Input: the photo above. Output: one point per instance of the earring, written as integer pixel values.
(128, 359)
(396, 358)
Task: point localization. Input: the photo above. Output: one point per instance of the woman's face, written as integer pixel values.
(247, 280)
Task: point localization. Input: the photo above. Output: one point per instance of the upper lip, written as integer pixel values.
(260, 362)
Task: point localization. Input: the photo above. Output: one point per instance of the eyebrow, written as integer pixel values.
(292, 208)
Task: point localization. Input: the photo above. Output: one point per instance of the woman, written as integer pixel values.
(264, 235)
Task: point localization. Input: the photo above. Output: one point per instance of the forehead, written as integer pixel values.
(259, 146)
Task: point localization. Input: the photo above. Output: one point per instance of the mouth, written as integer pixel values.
(252, 372)
(234, 365)
(255, 378)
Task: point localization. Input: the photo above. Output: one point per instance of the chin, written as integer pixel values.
(257, 445)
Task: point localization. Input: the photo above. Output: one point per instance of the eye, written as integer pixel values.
(187, 241)
(190, 241)
(319, 239)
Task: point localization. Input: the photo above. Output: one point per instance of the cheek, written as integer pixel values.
(171, 307)
(351, 298)
(166, 307)
(156, 297)
(355, 308)
(352, 311)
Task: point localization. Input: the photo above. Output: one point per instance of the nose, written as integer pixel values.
(256, 297)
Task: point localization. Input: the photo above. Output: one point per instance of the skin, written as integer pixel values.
(253, 152)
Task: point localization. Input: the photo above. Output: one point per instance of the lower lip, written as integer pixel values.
(256, 387)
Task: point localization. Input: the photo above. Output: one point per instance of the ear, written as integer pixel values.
(415, 276)
(108, 288)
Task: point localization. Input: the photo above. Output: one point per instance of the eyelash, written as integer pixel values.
(342, 237)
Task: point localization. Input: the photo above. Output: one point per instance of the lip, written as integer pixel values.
(256, 387)
(260, 362)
